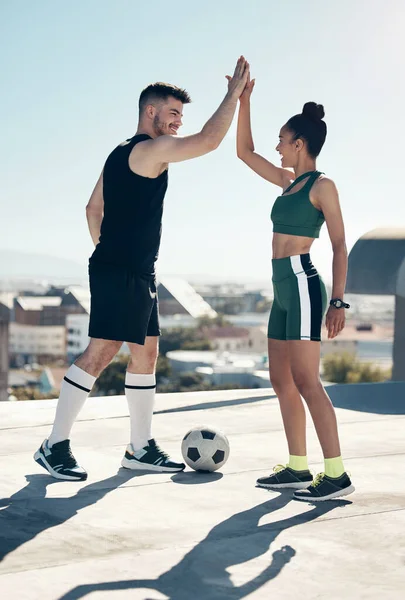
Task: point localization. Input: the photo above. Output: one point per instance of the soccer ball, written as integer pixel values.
(205, 448)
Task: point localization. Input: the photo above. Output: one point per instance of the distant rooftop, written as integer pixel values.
(186, 295)
(7, 298)
(210, 357)
(227, 332)
(38, 302)
(82, 295)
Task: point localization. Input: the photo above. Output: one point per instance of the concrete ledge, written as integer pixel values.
(386, 398)
(41, 412)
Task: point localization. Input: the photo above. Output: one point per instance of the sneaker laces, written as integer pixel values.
(66, 457)
(318, 479)
(159, 450)
(279, 468)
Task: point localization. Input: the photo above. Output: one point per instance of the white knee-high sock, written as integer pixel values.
(140, 393)
(76, 386)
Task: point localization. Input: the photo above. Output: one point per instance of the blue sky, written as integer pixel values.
(72, 74)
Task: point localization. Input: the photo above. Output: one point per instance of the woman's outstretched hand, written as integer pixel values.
(247, 92)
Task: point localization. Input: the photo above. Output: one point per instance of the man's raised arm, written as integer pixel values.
(169, 149)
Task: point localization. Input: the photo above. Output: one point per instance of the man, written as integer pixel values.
(124, 214)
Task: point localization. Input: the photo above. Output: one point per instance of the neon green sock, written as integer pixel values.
(298, 463)
(334, 467)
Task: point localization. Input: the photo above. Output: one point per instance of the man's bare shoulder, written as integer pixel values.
(162, 141)
(144, 159)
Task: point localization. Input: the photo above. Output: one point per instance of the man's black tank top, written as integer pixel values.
(133, 208)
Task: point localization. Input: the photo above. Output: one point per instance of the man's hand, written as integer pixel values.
(335, 321)
(237, 83)
(169, 149)
(247, 92)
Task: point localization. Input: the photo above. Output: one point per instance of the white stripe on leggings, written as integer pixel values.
(305, 301)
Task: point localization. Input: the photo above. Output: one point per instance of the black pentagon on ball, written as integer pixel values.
(193, 454)
(186, 436)
(218, 456)
(207, 435)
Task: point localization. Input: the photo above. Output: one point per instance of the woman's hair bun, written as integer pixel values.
(314, 111)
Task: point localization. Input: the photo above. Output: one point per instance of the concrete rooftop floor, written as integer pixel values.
(193, 536)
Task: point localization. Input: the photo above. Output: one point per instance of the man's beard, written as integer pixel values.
(158, 126)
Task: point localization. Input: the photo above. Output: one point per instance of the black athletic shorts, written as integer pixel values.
(124, 305)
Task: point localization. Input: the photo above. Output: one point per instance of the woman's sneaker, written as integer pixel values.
(284, 477)
(59, 461)
(150, 458)
(326, 488)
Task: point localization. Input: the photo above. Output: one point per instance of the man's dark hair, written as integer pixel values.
(161, 91)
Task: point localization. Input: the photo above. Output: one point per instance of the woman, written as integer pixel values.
(307, 200)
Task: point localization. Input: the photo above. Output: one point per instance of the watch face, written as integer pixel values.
(338, 303)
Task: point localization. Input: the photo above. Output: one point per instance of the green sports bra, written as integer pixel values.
(294, 213)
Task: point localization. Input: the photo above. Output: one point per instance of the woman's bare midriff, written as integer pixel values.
(290, 245)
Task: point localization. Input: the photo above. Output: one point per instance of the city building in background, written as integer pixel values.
(178, 297)
(36, 344)
(38, 328)
(4, 350)
(238, 339)
(48, 330)
(377, 267)
(239, 369)
(234, 298)
(77, 336)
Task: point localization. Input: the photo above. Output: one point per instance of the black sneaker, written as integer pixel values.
(150, 458)
(285, 477)
(326, 488)
(59, 461)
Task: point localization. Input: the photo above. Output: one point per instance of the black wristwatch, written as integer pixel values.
(338, 303)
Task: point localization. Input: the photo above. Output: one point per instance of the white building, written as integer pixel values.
(238, 339)
(77, 338)
(229, 339)
(258, 341)
(37, 340)
(245, 369)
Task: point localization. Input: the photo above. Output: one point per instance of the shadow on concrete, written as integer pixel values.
(27, 513)
(381, 398)
(203, 573)
(217, 404)
(196, 477)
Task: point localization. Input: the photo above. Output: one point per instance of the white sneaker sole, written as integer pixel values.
(338, 494)
(285, 486)
(41, 460)
(138, 466)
